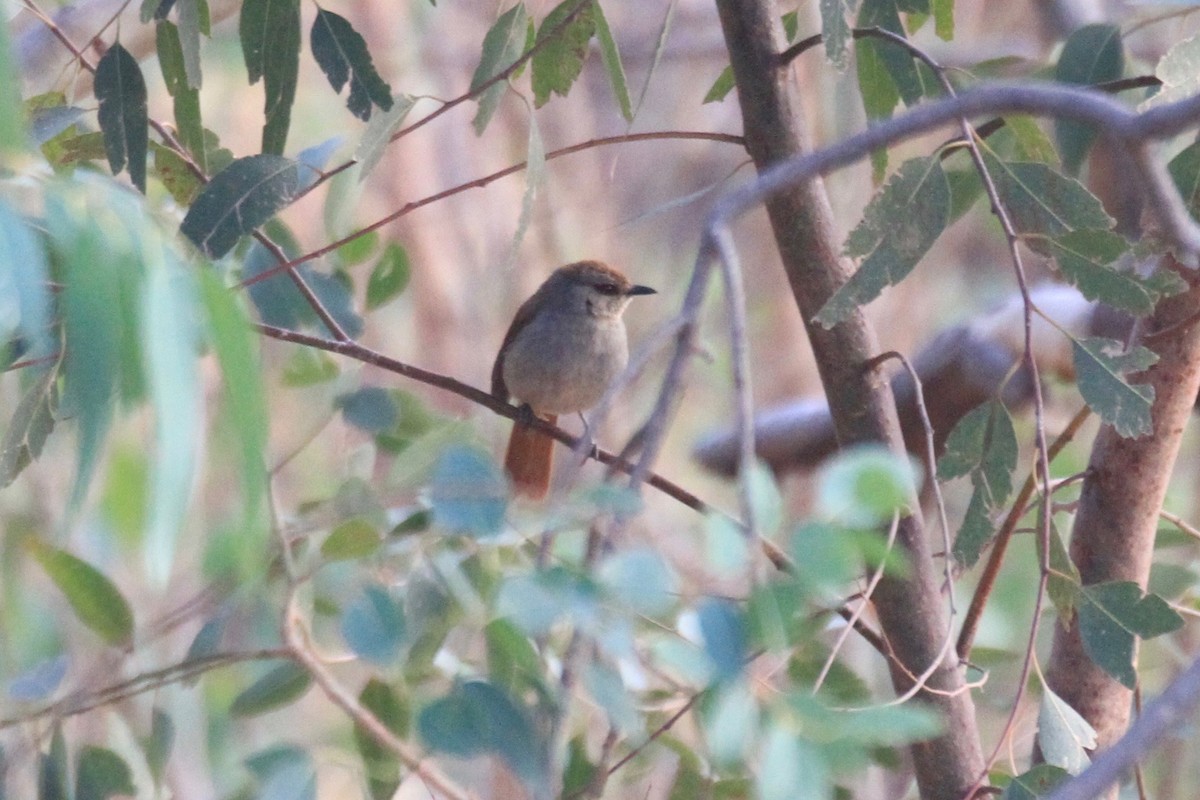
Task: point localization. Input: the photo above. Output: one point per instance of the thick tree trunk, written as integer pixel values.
(911, 611)
(1113, 536)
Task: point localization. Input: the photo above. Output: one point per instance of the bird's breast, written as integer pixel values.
(561, 364)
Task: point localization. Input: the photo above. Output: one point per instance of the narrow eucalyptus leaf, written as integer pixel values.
(238, 199)
(121, 91)
(96, 601)
(342, 55)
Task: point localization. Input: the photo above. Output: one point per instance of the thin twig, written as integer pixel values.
(368, 356)
(139, 684)
(479, 183)
(1052, 100)
(930, 469)
(296, 636)
(862, 606)
(1180, 523)
(735, 307)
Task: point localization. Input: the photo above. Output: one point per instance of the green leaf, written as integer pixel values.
(381, 765)
(1093, 54)
(1171, 581)
(865, 485)
(53, 770)
(468, 491)
(984, 444)
(208, 639)
(238, 199)
(185, 93)
(342, 55)
(1064, 737)
(559, 61)
(358, 249)
(612, 64)
(639, 579)
(579, 771)
(121, 91)
(733, 722)
(1088, 260)
(899, 226)
(307, 367)
(23, 284)
(234, 345)
(976, 530)
(279, 687)
(943, 19)
(477, 718)
(535, 176)
(503, 44)
(157, 746)
(370, 408)
(12, 120)
(374, 626)
(70, 146)
(37, 683)
(535, 602)
(899, 66)
(879, 92)
(175, 174)
(721, 87)
(96, 601)
(513, 664)
(30, 426)
(835, 30)
(101, 774)
(378, 134)
(791, 768)
(389, 278)
(1064, 581)
(49, 115)
(1185, 169)
(171, 348)
(1042, 202)
(724, 630)
(1100, 366)
(1111, 615)
(284, 773)
(1035, 784)
(1179, 71)
(94, 229)
(270, 34)
(607, 690)
(1030, 142)
(278, 300)
(193, 21)
(354, 538)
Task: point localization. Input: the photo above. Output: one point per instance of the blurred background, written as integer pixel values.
(639, 206)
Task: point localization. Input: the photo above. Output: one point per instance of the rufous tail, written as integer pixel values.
(529, 460)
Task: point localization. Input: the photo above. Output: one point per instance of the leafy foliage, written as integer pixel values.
(342, 55)
(122, 95)
(248, 485)
(270, 33)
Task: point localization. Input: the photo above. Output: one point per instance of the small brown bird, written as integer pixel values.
(565, 345)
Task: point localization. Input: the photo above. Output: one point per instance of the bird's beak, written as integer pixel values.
(636, 289)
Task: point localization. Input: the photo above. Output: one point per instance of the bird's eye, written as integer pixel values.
(608, 288)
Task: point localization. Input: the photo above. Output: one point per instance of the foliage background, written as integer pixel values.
(637, 205)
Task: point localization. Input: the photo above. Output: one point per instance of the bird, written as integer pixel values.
(565, 345)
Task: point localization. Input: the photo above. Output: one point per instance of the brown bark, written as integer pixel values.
(911, 610)
(1113, 535)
